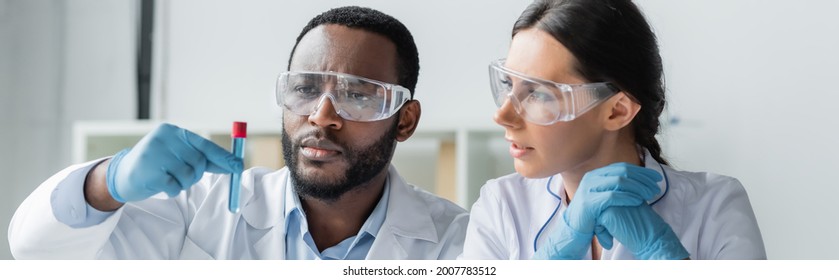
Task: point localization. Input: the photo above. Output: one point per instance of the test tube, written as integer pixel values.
(240, 131)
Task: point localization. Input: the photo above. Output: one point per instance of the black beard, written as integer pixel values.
(364, 164)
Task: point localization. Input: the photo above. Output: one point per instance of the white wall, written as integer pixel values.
(749, 82)
(61, 62)
(224, 56)
(30, 108)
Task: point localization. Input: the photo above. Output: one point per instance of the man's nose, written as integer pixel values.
(326, 113)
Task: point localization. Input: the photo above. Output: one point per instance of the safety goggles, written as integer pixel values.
(354, 98)
(545, 102)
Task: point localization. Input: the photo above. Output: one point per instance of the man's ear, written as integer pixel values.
(622, 110)
(409, 117)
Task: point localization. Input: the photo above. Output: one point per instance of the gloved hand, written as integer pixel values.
(617, 184)
(168, 159)
(641, 230)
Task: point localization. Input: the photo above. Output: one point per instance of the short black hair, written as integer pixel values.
(380, 23)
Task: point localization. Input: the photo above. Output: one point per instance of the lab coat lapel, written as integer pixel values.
(265, 210)
(408, 220)
(272, 245)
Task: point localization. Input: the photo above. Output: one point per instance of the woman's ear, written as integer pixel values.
(409, 117)
(622, 110)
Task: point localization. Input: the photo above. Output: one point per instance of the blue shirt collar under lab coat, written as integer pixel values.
(299, 242)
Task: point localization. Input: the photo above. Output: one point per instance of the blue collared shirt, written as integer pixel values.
(301, 246)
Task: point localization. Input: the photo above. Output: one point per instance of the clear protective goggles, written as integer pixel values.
(541, 101)
(354, 98)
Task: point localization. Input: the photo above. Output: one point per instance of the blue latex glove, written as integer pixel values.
(169, 159)
(618, 184)
(641, 230)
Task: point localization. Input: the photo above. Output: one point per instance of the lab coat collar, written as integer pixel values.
(269, 214)
(258, 212)
(406, 222)
(405, 203)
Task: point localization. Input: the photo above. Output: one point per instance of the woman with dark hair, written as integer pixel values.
(579, 96)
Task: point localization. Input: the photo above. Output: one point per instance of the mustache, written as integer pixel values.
(320, 139)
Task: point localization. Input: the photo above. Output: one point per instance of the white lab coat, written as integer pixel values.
(710, 214)
(197, 224)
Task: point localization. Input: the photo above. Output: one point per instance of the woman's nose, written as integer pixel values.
(506, 115)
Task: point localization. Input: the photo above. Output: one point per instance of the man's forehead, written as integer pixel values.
(348, 50)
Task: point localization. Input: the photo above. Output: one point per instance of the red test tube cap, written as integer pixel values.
(240, 130)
